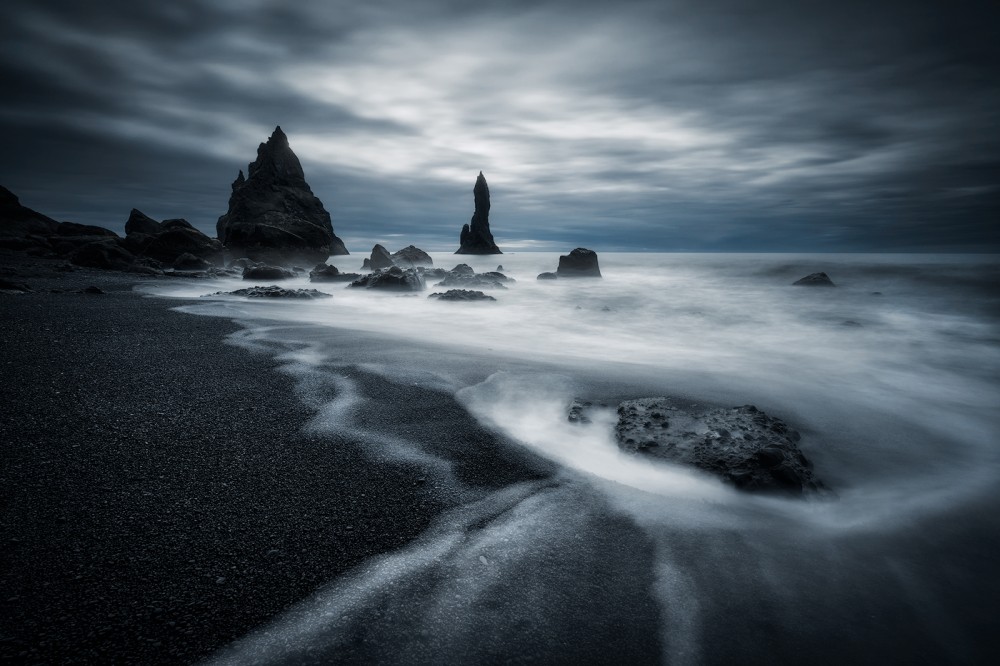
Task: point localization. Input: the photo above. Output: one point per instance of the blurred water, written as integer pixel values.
(893, 377)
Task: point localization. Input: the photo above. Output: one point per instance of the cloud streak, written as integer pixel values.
(664, 126)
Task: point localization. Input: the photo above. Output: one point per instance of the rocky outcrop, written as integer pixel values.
(17, 221)
(461, 295)
(380, 259)
(74, 229)
(273, 214)
(476, 237)
(412, 257)
(176, 240)
(742, 445)
(392, 279)
(265, 272)
(547, 276)
(189, 262)
(328, 273)
(107, 254)
(481, 280)
(140, 223)
(274, 291)
(815, 280)
(581, 262)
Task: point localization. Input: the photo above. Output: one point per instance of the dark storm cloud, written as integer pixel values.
(656, 125)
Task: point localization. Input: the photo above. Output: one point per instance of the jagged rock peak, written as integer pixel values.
(476, 237)
(273, 214)
(276, 161)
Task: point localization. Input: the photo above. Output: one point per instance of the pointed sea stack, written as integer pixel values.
(476, 237)
(273, 215)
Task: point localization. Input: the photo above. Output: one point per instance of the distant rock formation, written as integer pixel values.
(264, 272)
(815, 280)
(17, 221)
(476, 237)
(273, 214)
(328, 273)
(743, 445)
(380, 259)
(581, 262)
(411, 257)
(392, 279)
(547, 276)
(461, 295)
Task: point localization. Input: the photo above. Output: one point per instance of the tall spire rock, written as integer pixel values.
(273, 214)
(476, 237)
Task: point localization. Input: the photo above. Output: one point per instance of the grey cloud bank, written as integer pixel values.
(660, 126)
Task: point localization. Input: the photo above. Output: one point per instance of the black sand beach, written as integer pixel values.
(160, 498)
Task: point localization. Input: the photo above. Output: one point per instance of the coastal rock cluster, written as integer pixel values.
(581, 262)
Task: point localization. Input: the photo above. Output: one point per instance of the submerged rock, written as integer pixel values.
(482, 281)
(412, 257)
(547, 276)
(267, 273)
(273, 214)
(461, 295)
(476, 237)
(274, 291)
(581, 262)
(742, 445)
(815, 280)
(328, 273)
(392, 279)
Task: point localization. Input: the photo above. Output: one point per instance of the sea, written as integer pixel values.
(892, 377)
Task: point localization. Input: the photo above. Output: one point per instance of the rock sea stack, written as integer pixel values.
(581, 262)
(476, 237)
(273, 214)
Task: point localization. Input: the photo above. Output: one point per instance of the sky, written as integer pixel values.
(674, 125)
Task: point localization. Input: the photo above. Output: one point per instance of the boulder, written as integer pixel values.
(140, 223)
(380, 259)
(107, 254)
(815, 280)
(461, 295)
(581, 262)
(327, 273)
(476, 237)
(547, 276)
(174, 241)
(274, 291)
(411, 257)
(742, 445)
(393, 279)
(462, 269)
(265, 272)
(273, 214)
